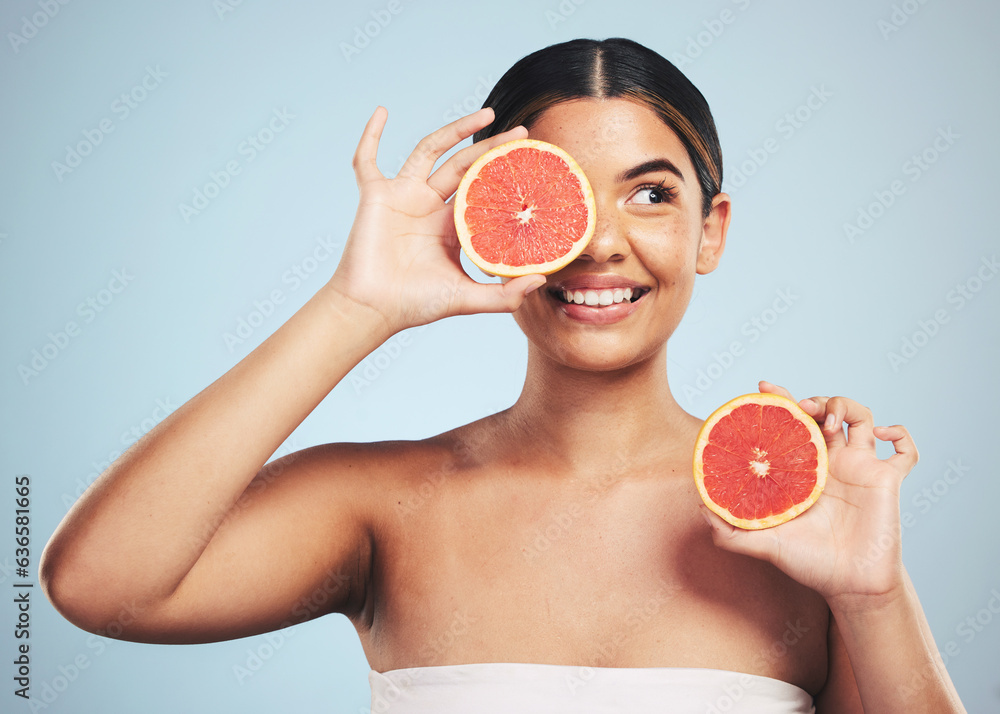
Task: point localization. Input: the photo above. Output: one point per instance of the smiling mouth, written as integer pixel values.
(598, 298)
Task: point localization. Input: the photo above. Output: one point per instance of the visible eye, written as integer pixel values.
(654, 194)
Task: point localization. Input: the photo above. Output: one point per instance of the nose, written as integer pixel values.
(610, 241)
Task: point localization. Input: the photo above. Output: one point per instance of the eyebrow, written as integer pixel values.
(648, 167)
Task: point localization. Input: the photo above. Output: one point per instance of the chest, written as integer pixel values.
(620, 573)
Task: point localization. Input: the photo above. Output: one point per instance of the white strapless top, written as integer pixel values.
(554, 689)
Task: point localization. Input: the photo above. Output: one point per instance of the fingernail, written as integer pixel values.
(830, 421)
(535, 286)
(704, 514)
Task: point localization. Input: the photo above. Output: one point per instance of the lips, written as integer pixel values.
(597, 290)
(597, 299)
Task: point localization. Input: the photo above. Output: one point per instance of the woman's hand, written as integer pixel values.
(402, 255)
(847, 545)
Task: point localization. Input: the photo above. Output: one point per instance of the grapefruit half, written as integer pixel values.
(760, 460)
(524, 207)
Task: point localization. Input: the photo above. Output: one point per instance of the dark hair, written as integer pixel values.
(615, 67)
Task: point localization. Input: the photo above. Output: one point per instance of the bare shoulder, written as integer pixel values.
(373, 484)
(362, 482)
(371, 467)
(299, 543)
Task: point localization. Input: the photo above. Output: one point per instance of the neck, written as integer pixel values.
(582, 420)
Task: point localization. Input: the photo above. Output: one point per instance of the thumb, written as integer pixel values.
(757, 544)
(500, 297)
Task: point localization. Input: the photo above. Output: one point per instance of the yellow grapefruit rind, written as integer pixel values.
(822, 460)
(513, 271)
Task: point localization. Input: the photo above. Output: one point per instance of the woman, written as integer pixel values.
(442, 552)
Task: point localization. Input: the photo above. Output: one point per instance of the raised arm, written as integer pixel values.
(188, 537)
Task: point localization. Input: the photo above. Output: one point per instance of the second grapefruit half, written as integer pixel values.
(760, 460)
(524, 207)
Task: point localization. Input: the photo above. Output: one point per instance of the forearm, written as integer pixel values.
(895, 661)
(143, 524)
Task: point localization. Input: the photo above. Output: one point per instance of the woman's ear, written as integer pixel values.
(713, 234)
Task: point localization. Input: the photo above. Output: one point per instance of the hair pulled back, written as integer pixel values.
(612, 68)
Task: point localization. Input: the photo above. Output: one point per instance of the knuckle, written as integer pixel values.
(426, 146)
(360, 161)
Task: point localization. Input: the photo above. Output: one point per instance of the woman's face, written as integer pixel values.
(651, 237)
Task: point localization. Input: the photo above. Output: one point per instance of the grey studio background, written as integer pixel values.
(176, 182)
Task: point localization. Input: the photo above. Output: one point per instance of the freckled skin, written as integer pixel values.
(655, 246)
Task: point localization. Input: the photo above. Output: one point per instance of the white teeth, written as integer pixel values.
(602, 298)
